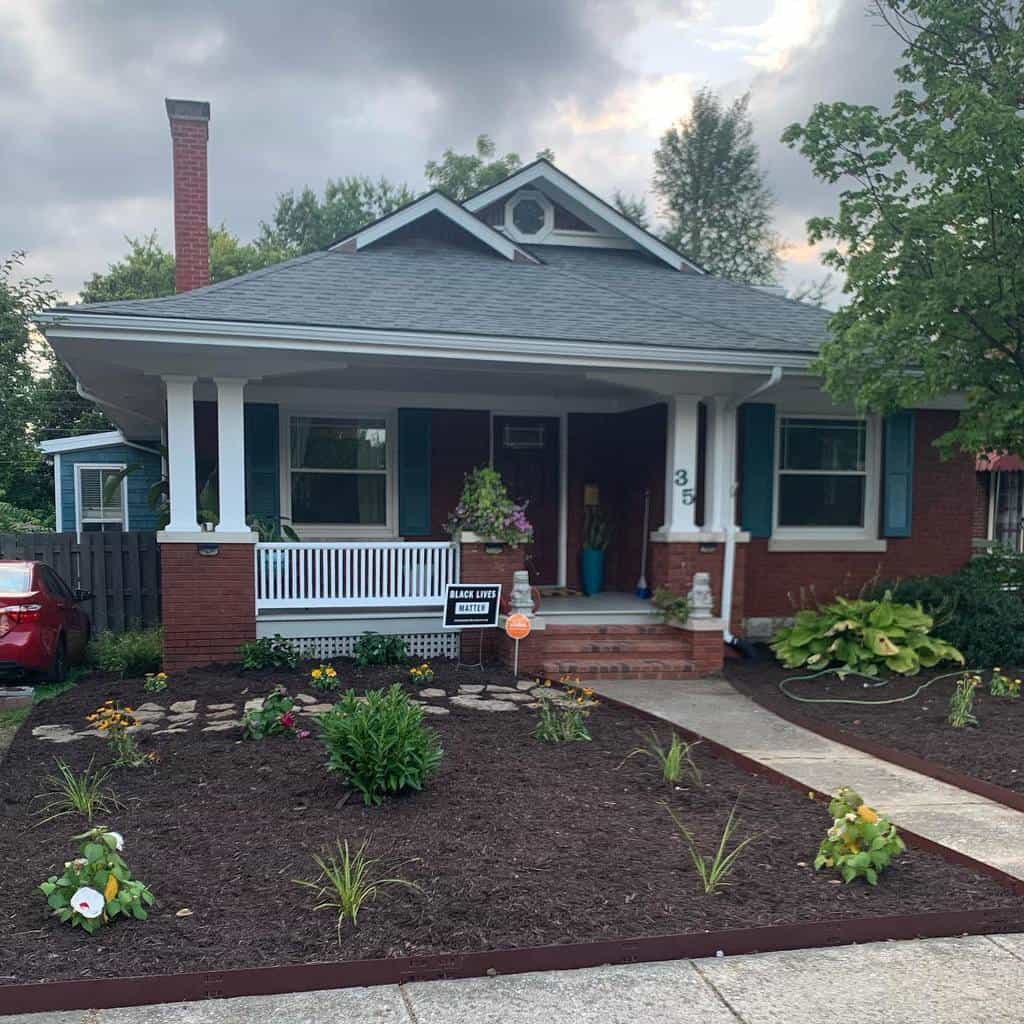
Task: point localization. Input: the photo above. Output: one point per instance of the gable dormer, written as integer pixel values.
(541, 205)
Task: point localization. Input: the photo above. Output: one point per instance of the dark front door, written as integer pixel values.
(526, 455)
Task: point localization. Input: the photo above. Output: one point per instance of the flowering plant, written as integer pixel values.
(96, 886)
(275, 716)
(156, 682)
(1001, 685)
(485, 508)
(860, 843)
(114, 723)
(420, 674)
(324, 677)
(563, 713)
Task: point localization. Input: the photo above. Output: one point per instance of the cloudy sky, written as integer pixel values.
(322, 88)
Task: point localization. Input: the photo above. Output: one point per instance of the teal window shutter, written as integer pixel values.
(757, 468)
(899, 474)
(414, 453)
(262, 462)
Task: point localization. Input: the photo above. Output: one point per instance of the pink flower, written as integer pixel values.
(304, 734)
(288, 719)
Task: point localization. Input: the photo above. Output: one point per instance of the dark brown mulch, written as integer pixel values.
(993, 752)
(514, 843)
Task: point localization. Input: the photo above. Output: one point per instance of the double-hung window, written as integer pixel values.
(824, 470)
(101, 499)
(339, 471)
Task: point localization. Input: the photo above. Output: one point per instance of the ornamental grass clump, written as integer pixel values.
(71, 794)
(864, 637)
(675, 760)
(379, 744)
(860, 843)
(961, 702)
(347, 881)
(714, 871)
(97, 886)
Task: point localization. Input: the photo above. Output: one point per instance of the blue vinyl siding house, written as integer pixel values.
(82, 467)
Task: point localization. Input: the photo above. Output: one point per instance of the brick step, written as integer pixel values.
(633, 668)
(650, 647)
(611, 630)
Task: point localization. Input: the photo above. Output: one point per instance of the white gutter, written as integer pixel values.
(90, 397)
(481, 347)
(729, 561)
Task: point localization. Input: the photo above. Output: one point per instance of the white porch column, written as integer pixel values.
(231, 454)
(681, 465)
(720, 471)
(181, 454)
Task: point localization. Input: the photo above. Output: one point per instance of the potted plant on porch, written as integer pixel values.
(596, 534)
(486, 514)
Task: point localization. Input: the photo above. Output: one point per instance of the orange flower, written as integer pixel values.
(110, 890)
(865, 813)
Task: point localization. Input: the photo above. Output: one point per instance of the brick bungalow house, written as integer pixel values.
(536, 329)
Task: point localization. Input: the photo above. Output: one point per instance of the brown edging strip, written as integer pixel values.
(913, 762)
(108, 993)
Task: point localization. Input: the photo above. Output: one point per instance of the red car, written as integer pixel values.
(42, 627)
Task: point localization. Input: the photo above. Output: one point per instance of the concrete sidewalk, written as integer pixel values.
(973, 980)
(980, 828)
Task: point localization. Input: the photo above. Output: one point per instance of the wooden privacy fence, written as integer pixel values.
(121, 570)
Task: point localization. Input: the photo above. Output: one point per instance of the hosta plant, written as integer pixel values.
(860, 843)
(97, 886)
(864, 637)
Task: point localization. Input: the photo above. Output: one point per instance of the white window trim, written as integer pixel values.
(341, 531)
(820, 537)
(545, 204)
(118, 466)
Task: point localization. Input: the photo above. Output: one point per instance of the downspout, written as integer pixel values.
(729, 563)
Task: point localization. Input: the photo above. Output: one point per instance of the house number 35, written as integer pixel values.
(682, 480)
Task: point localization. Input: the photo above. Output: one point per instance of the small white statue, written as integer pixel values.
(521, 598)
(700, 597)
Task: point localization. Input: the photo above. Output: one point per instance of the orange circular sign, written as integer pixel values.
(518, 626)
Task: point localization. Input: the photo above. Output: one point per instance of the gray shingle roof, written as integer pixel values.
(577, 294)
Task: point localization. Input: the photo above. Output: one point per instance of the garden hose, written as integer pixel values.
(860, 675)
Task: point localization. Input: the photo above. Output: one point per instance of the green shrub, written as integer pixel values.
(269, 652)
(860, 843)
(133, 653)
(979, 610)
(379, 744)
(863, 636)
(378, 649)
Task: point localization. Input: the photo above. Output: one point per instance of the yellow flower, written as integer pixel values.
(316, 673)
(331, 672)
(865, 813)
(110, 890)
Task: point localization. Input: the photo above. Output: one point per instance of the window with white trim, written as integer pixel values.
(339, 471)
(825, 476)
(101, 499)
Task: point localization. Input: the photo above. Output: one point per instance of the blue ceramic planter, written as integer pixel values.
(593, 571)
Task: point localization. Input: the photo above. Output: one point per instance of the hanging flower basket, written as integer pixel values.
(487, 515)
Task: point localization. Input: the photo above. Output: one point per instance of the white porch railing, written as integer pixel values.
(350, 574)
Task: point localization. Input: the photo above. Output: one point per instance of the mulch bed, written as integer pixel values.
(514, 843)
(993, 752)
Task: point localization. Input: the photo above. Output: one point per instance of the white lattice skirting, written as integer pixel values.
(421, 645)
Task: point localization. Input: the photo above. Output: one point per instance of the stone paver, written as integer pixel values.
(975, 980)
(962, 821)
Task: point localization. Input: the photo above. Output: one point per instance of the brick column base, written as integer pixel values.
(673, 563)
(704, 645)
(209, 603)
(477, 565)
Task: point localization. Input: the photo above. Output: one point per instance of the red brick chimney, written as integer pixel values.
(190, 129)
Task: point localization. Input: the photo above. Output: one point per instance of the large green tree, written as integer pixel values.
(930, 227)
(460, 175)
(306, 222)
(714, 194)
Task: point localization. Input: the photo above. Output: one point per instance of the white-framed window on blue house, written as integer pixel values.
(826, 477)
(101, 506)
(339, 470)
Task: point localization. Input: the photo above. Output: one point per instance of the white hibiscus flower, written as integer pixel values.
(88, 902)
(119, 838)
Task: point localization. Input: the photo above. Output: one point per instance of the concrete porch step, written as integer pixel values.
(589, 669)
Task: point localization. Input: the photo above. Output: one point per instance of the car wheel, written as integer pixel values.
(58, 672)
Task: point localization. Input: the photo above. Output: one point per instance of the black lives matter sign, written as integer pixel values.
(471, 605)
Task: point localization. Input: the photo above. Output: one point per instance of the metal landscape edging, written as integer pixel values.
(109, 993)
